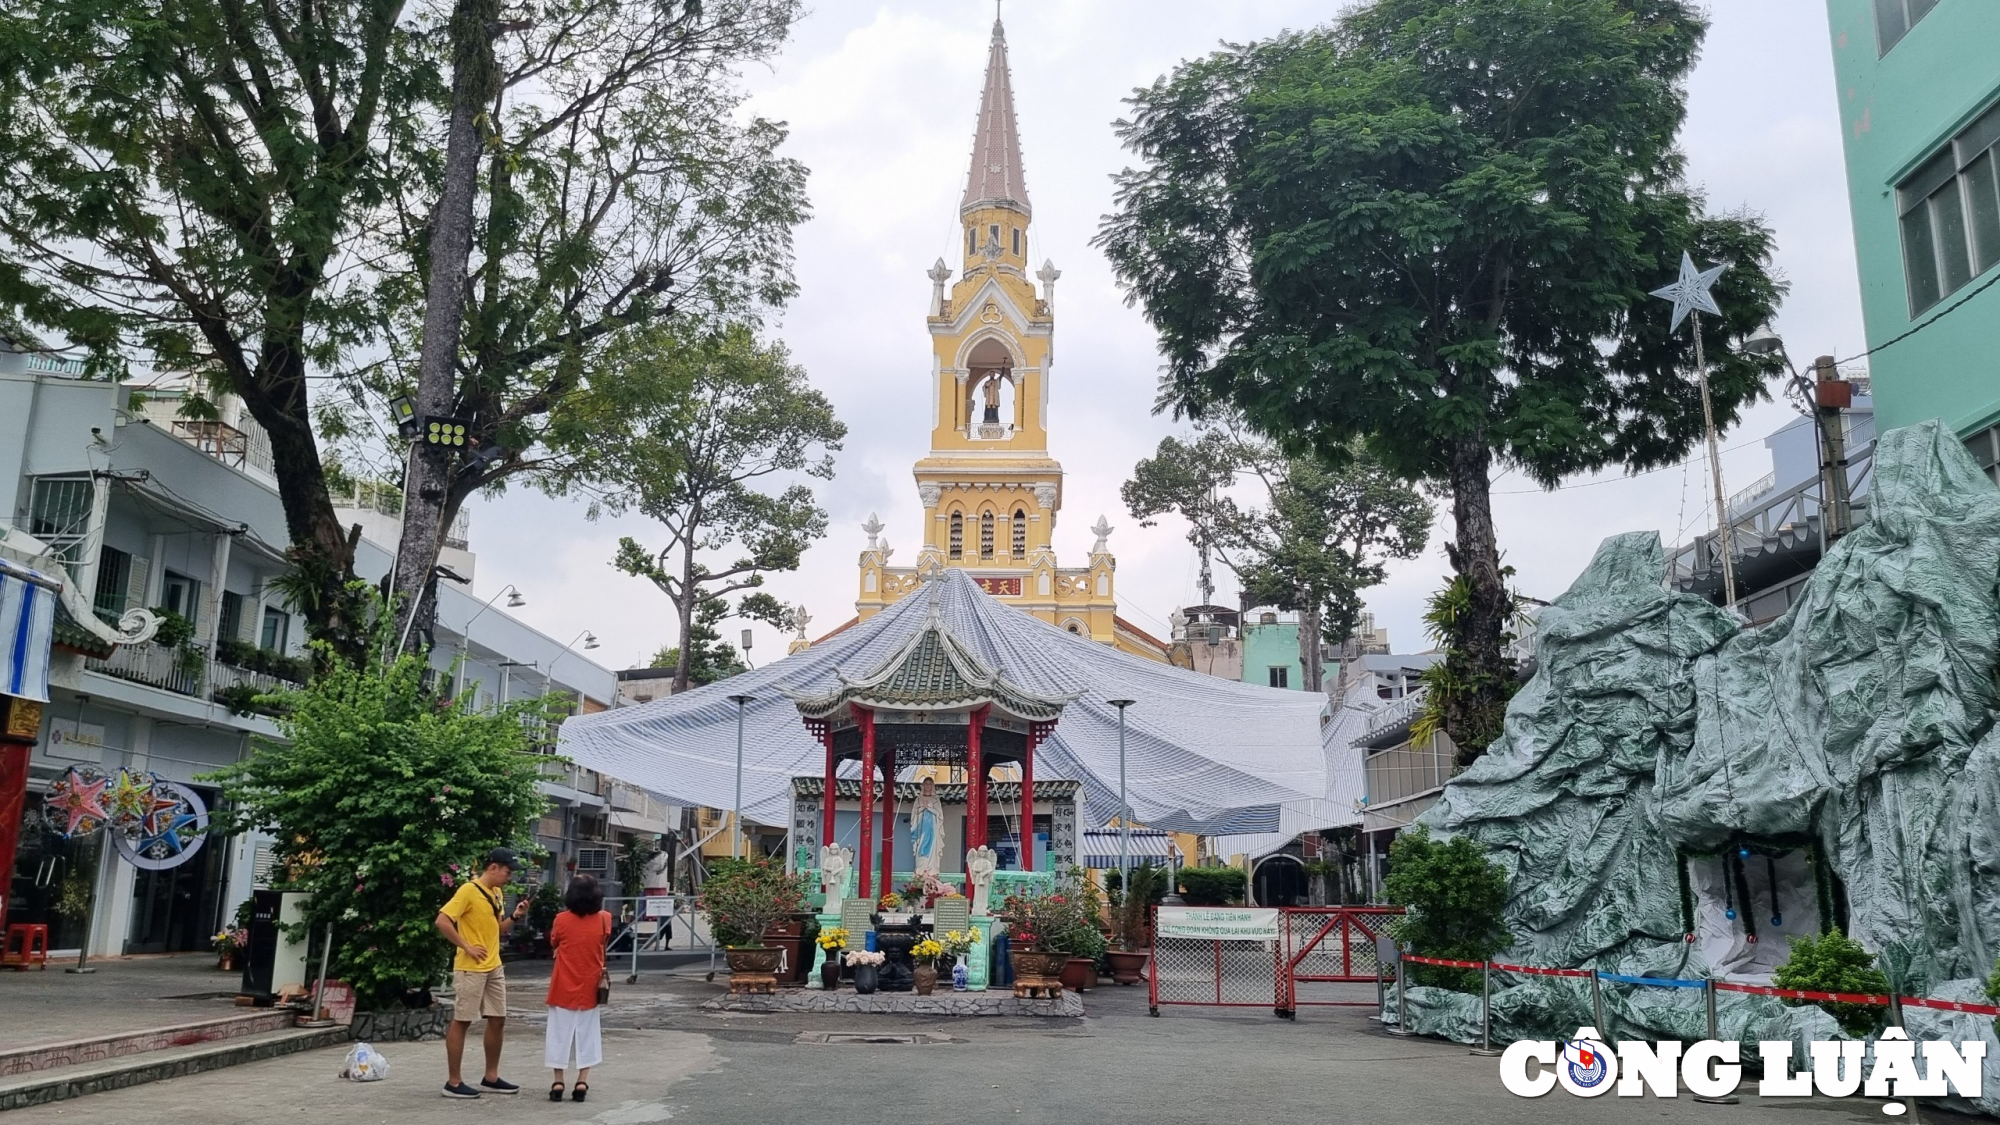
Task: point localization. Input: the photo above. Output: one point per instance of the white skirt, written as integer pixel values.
(570, 1029)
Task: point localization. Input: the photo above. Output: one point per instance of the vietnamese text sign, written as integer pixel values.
(659, 906)
(1217, 923)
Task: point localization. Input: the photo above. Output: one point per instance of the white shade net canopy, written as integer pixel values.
(1202, 754)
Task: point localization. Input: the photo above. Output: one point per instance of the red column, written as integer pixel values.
(866, 718)
(888, 822)
(13, 794)
(826, 808)
(975, 780)
(1028, 803)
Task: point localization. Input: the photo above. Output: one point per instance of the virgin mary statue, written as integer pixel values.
(927, 831)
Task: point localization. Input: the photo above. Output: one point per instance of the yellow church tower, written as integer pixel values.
(990, 490)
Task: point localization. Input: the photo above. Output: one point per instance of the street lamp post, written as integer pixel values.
(736, 834)
(514, 601)
(1124, 810)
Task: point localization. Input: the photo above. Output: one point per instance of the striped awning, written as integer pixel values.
(27, 629)
(1149, 845)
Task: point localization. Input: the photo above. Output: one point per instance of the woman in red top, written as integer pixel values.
(578, 938)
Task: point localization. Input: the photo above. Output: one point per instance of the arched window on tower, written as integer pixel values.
(986, 535)
(958, 535)
(1020, 533)
(971, 240)
(1017, 242)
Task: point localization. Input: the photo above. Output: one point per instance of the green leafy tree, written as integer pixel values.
(379, 800)
(752, 416)
(1321, 534)
(1433, 226)
(1454, 900)
(1834, 962)
(250, 194)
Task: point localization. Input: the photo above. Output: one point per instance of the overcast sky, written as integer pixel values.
(881, 99)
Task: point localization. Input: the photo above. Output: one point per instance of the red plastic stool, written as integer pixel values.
(27, 944)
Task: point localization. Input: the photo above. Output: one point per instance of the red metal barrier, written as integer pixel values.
(1329, 945)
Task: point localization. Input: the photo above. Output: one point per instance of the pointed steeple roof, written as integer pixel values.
(997, 176)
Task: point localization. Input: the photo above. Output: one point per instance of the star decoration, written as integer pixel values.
(125, 802)
(1689, 292)
(76, 799)
(165, 840)
(163, 807)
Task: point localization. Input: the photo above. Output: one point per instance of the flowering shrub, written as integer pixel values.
(380, 790)
(1061, 921)
(832, 939)
(927, 950)
(230, 941)
(959, 942)
(889, 901)
(745, 897)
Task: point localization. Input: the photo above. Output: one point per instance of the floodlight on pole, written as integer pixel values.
(747, 636)
(736, 835)
(1124, 810)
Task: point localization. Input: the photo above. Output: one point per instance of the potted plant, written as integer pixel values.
(865, 963)
(228, 946)
(925, 953)
(1032, 924)
(833, 940)
(743, 899)
(957, 946)
(1132, 912)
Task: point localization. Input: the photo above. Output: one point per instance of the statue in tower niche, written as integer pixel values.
(991, 389)
(927, 832)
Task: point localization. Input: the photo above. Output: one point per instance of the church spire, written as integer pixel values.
(997, 179)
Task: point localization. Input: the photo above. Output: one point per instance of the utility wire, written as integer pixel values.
(1934, 318)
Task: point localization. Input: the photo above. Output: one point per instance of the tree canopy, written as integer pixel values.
(749, 416)
(244, 194)
(1316, 537)
(1432, 226)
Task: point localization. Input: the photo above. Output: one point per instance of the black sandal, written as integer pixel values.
(555, 1091)
(577, 1094)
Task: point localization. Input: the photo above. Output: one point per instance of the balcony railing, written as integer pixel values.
(573, 776)
(172, 669)
(1406, 771)
(1399, 713)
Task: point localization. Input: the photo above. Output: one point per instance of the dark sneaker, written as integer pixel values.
(498, 1086)
(459, 1090)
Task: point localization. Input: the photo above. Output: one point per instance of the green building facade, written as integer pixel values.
(1271, 650)
(1919, 90)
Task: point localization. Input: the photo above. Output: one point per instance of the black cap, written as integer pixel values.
(505, 857)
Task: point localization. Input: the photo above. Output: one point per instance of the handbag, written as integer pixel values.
(604, 987)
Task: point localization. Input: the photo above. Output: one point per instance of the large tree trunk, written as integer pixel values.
(1312, 667)
(685, 606)
(1472, 716)
(322, 551)
(424, 492)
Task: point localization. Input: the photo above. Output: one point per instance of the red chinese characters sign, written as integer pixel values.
(1006, 587)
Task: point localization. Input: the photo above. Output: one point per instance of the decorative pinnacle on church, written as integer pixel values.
(997, 179)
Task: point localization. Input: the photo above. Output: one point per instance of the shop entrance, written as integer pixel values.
(54, 880)
(178, 910)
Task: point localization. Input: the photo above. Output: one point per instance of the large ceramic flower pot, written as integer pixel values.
(926, 978)
(752, 960)
(829, 973)
(1079, 973)
(1126, 967)
(1034, 963)
(864, 979)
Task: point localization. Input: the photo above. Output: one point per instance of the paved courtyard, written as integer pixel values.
(668, 1060)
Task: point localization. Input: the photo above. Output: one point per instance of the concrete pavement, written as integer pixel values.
(666, 1060)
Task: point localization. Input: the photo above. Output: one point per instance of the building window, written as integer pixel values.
(1951, 214)
(59, 515)
(1020, 533)
(1895, 18)
(1985, 449)
(114, 577)
(986, 535)
(971, 240)
(229, 626)
(1281, 677)
(277, 629)
(181, 594)
(958, 535)
(1017, 242)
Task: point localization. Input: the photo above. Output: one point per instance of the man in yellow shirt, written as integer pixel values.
(472, 921)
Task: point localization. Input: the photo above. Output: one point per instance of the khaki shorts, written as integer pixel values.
(478, 994)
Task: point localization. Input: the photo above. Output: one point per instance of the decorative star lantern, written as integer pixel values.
(126, 799)
(75, 804)
(1689, 292)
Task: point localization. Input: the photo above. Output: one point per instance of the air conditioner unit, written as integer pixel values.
(593, 860)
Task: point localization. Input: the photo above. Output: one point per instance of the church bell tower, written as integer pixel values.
(989, 488)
